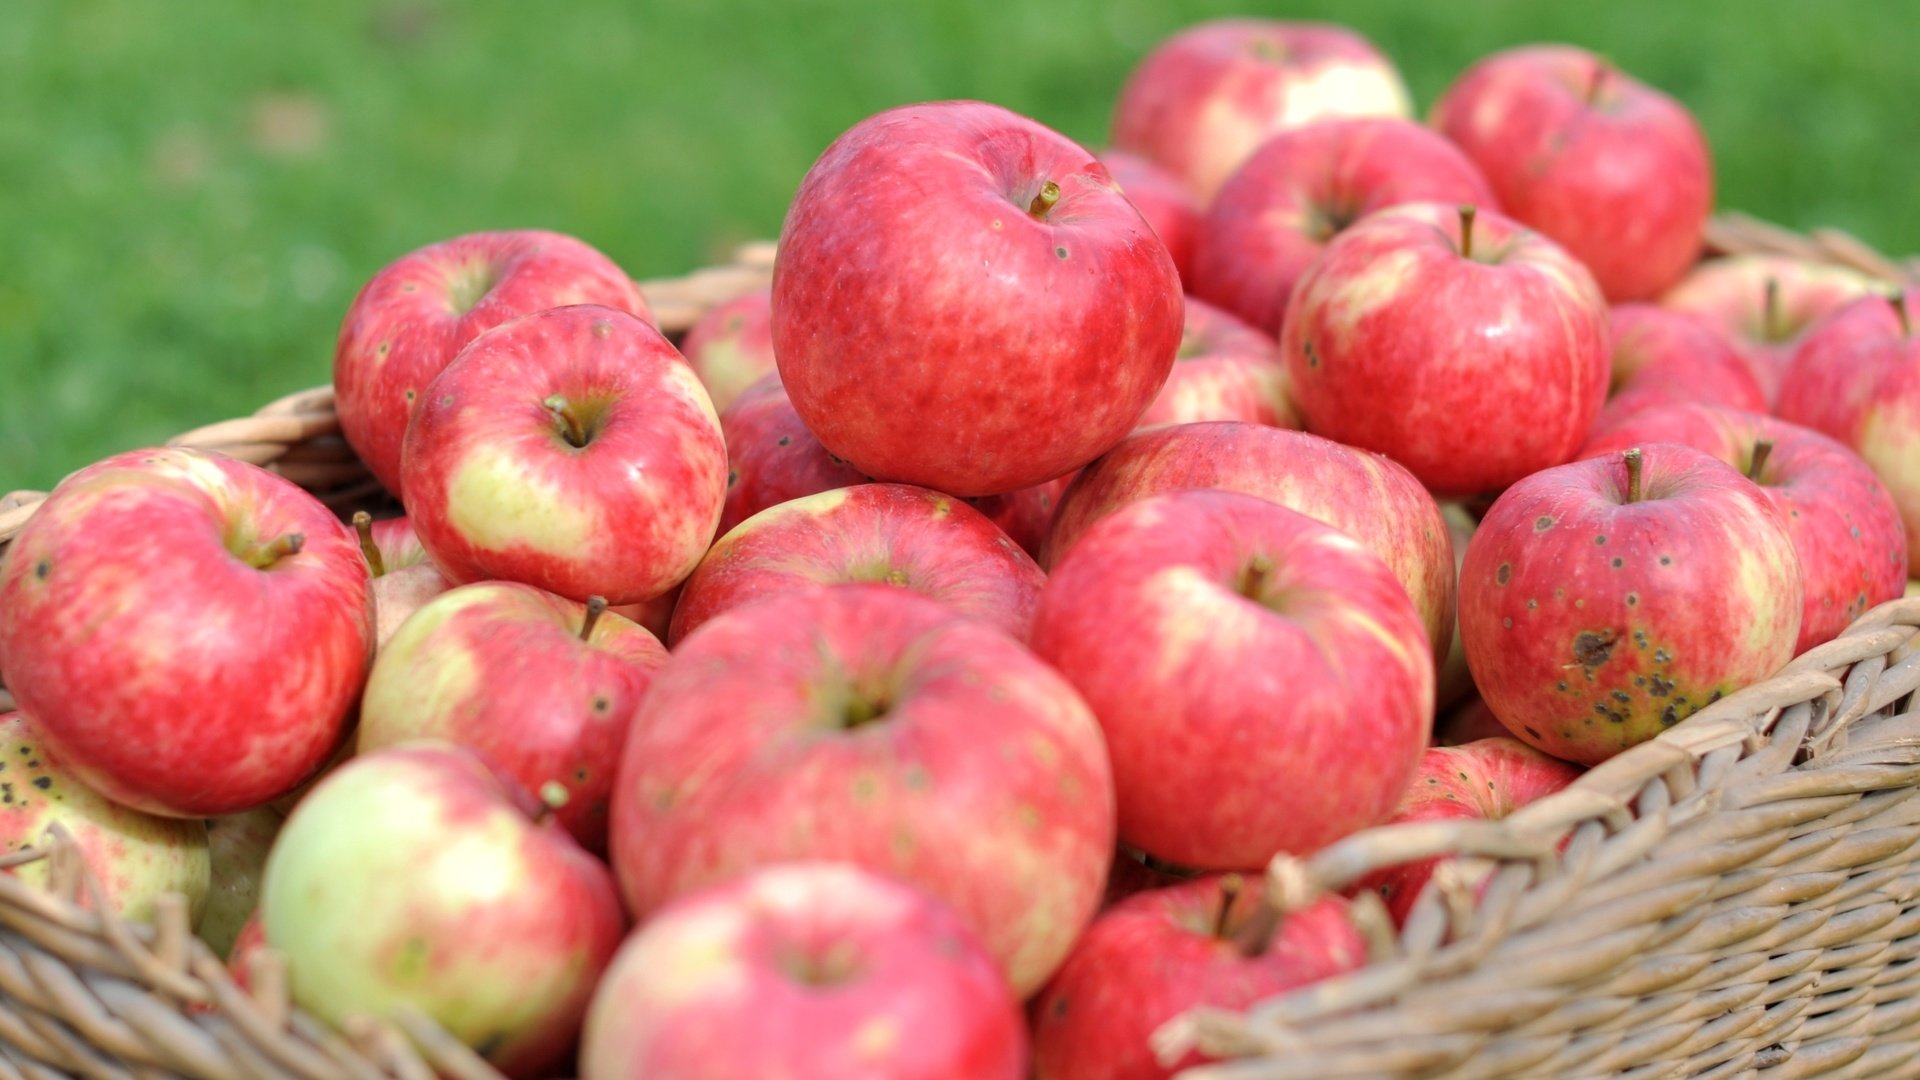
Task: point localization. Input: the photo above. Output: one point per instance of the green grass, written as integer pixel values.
(190, 193)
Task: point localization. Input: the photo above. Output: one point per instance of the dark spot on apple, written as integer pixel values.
(1669, 716)
(1613, 716)
(1543, 523)
(786, 440)
(1591, 648)
(1601, 539)
(490, 1045)
(1659, 685)
(1795, 513)
(1463, 775)
(1532, 604)
(1666, 560)
(1451, 797)
(733, 477)
(1060, 1006)
(1313, 354)
(1633, 599)
(1713, 697)
(579, 776)
(1501, 575)
(663, 800)
(1640, 638)
(446, 402)
(1618, 562)
(1507, 622)
(1528, 728)
(1561, 686)
(42, 568)
(1622, 697)
(409, 395)
(601, 705)
(1433, 779)
(43, 782)
(409, 287)
(24, 751)
(1060, 251)
(835, 458)
(1660, 656)
(602, 329)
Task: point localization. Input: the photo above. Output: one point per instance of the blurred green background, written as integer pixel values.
(190, 193)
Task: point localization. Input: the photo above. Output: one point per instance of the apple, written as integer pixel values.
(964, 300)
(418, 312)
(251, 939)
(544, 688)
(241, 628)
(1206, 98)
(1305, 186)
(403, 577)
(771, 456)
(418, 877)
(1161, 198)
(1467, 722)
(838, 973)
(655, 615)
(1156, 955)
(571, 449)
(1027, 514)
(1611, 169)
(1201, 627)
(731, 347)
(888, 534)
(1225, 370)
(867, 724)
(1853, 379)
(1428, 329)
(1133, 871)
(1364, 495)
(1606, 600)
(1662, 357)
(237, 846)
(1845, 527)
(1483, 780)
(136, 857)
(1764, 304)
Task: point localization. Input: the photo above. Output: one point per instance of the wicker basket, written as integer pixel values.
(1738, 898)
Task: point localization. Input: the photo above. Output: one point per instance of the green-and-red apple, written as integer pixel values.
(544, 688)
(238, 845)
(136, 857)
(1206, 98)
(416, 314)
(731, 347)
(964, 300)
(1364, 495)
(1263, 680)
(866, 724)
(241, 628)
(888, 534)
(1461, 344)
(418, 877)
(839, 973)
(1606, 600)
(572, 450)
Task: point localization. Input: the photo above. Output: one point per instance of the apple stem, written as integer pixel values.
(1770, 314)
(1761, 449)
(363, 528)
(1598, 80)
(1043, 202)
(596, 607)
(1467, 214)
(1253, 580)
(1633, 474)
(1229, 892)
(570, 426)
(553, 796)
(281, 547)
(1898, 298)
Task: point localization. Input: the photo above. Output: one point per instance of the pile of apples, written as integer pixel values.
(910, 673)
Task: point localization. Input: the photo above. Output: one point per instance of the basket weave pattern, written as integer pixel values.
(1738, 898)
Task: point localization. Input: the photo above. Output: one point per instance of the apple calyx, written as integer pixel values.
(1632, 458)
(568, 420)
(863, 709)
(1253, 579)
(1770, 327)
(1898, 298)
(596, 607)
(363, 528)
(1467, 214)
(1043, 202)
(280, 547)
(1761, 449)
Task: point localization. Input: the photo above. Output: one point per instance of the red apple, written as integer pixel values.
(867, 724)
(1610, 168)
(1854, 379)
(1467, 722)
(1663, 357)
(417, 877)
(1158, 954)
(888, 534)
(403, 577)
(772, 458)
(837, 973)
(137, 858)
(1304, 187)
(1845, 527)
(653, 616)
(542, 687)
(1132, 872)
(1161, 198)
(1465, 347)
(1205, 99)
(731, 347)
(1484, 780)
(416, 314)
(1201, 628)
(1225, 370)
(1764, 304)
(964, 300)
(1605, 601)
(1027, 514)
(572, 450)
(1364, 495)
(241, 628)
